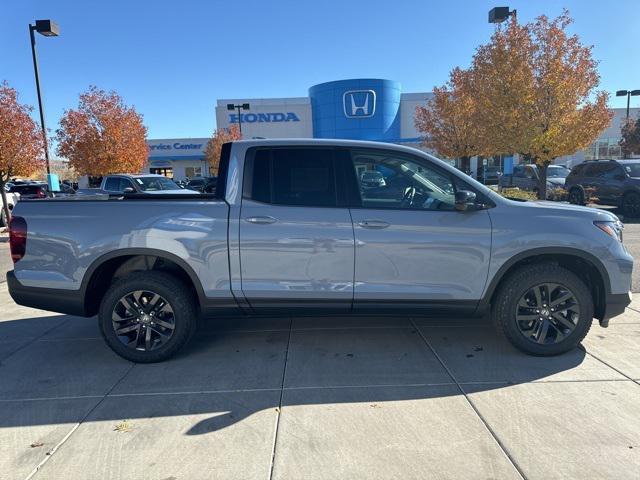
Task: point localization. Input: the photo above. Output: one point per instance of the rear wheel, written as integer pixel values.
(544, 309)
(147, 316)
(576, 196)
(631, 204)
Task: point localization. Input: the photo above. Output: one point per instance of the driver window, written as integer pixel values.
(391, 180)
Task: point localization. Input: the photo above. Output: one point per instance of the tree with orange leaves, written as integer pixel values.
(630, 141)
(103, 136)
(448, 122)
(536, 90)
(214, 145)
(21, 142)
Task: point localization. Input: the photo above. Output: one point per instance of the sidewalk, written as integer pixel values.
(317, 398)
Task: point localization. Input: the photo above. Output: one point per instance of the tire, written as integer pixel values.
(631, 204)
(576, 196)
(152, 339)
(517, 299)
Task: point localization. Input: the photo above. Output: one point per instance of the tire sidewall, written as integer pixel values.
(172, 290)
(520, 284)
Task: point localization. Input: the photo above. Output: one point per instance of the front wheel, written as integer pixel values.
(544, 309)
(576, 196)
(147, 316)
(631, 204)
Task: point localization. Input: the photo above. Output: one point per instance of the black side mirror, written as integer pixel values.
(465, 200)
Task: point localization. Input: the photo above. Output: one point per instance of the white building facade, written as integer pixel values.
(360, 109)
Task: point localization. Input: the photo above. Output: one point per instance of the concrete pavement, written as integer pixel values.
(323, 398)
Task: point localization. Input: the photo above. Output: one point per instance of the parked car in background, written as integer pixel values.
(492, 177)
(30, 190)
(372, 179)
(527, 177)
(292, 229)
(12, 200)
(203, 184)
(148, 184)
(607, 182)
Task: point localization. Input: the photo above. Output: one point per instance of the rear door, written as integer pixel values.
(296, 236)
(412, 247)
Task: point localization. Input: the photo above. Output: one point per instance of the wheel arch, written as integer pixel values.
(587, 266)
(116, 264)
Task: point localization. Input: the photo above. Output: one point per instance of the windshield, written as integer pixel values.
(154, 184)
(557, 172)
(632, 169)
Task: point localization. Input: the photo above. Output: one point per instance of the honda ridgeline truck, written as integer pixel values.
(291, 228)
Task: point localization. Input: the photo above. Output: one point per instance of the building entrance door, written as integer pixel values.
(166, 171)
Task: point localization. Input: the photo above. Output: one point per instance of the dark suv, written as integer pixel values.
(607, 182)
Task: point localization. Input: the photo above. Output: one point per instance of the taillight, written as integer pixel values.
(40, 193)
(17, 238)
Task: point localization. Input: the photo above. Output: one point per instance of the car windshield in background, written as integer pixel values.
(632, 169)
(154, 184)
(557, 172)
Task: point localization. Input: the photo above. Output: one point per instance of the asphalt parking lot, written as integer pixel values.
(318, 398)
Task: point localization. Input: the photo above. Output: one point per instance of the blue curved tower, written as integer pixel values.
(357, 109)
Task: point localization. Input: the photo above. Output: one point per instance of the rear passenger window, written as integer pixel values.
(294, 176)
(112, 184)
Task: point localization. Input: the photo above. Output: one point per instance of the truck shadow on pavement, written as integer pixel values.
(57, 369)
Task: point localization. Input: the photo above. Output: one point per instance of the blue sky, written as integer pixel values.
(173, 59)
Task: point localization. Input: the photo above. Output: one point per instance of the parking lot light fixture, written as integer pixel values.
(47, 28)
(239, 107)
(628, 94)
(500, 14)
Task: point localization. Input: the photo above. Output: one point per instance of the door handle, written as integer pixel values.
(261, 220)
(373, 224)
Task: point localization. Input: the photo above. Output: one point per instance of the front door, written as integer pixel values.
(296, 237)
(412, 247)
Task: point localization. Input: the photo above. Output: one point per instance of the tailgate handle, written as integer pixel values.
(261, 220)
(373, 224)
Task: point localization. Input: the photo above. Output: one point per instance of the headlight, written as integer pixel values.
(611, 228)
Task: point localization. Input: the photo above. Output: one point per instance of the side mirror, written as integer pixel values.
(465, 200)
(129, 190)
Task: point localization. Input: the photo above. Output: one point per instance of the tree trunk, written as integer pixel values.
(542, 190)
(5, 205)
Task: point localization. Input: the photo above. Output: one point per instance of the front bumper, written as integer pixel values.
(51, 299)
(614, 306)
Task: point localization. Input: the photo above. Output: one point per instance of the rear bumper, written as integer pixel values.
(614, 306)
(51, 299)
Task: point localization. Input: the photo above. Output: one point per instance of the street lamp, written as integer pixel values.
(46, 28)
(240, 106)
(500, 14)
(628, 94)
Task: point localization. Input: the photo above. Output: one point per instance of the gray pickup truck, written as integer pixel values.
(291, 228)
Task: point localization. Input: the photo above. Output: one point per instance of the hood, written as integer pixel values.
(558, 208)
(556, 181)
(182, 191)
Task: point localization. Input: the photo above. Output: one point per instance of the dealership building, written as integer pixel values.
(358, 109)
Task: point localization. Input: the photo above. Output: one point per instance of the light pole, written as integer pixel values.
(239, 107)
(628, 94)
(47, 28)
(500, 14)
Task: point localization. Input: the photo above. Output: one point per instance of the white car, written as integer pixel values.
(12, 200)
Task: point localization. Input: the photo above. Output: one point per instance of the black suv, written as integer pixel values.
(203, 184)
(606, 182)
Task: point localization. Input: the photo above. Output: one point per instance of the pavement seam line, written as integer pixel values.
(492, 433)
(279, 412)
(34, 340)
(611, 366)
(77, 425)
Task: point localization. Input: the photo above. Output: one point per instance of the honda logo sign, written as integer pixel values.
(359, 103)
